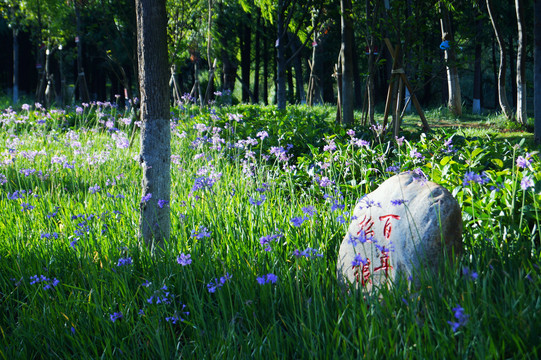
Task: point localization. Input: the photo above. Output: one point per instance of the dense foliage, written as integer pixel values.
(261, 201)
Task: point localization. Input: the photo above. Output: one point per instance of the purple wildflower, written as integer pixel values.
(297, 221)
(257, 202)
(184, 259)
(162, 203)
(201, 232)
(146, 198)
(358, 260)
(524, 162)
(115, 316)
(462, 319)
(398, 202)
(309, 210)
(124, 261)
(526, 183)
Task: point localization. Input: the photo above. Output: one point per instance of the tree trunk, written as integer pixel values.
(453, 83)
(357, 82)
(347, 62)
(280, 59)
(522, 116)
(502, 96)
(371, 12)
(155, 158)
(257, 57)
(266, 69)
(537, 71)
(246, 46)
(477, 73)
(512, 67)
(15, 65)
(495, 72)
(81, 79)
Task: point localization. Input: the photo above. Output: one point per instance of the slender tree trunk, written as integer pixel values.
(453, 83)
(246, 46)
(502, 96)
(81, 79)
(15, 65)
(495, 72)
(257, 57)
(357, 82)
(371, 13)
(513, 69)
(280, 59)
(155, 158)
(522, 116)
(347, 62)
(537, 71)
(477, 73)
(266, 69)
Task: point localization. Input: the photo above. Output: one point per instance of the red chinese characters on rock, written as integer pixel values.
(388, 227)
(362, 273)
(366, 225)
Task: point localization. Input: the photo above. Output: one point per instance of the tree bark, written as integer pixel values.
(453, 83)
(257, 57)
(81, 79)
(502, 96)
(477, 73)
(280, 58)
(537, 71)
(15, 65)
(522, 116)
(155, 158)
(245, 50)
(347, 62)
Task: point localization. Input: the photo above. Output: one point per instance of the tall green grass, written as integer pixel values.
(83, 240)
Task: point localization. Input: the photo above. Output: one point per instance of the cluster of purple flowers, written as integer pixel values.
(526, 183)
(124, 261)
(17, 194)
(203, 183)
(256, 202)
(26, 207)
(524, 162)
(297, 221)
(265, 279)
(176, 318)
(471, 274)
(309, 210)
(47, 283)
(461, 318)
(470, 177)
(307, 253)
(160, 296)
(359, 260)
(200, 233)
(49, 235)
(216, 284)
(115, 316)
(146, 198)
(265, 240)
(184, 259)
(94, 189)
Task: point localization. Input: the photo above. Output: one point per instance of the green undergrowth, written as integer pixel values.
(261, 200)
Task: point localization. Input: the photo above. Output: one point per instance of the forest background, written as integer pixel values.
(454, 53)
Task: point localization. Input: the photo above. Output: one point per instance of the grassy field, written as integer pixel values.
(261, 202)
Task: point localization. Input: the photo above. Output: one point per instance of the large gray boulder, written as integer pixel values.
(405, 224)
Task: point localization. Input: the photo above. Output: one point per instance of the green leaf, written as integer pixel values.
(445, 160)
(497, 162)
